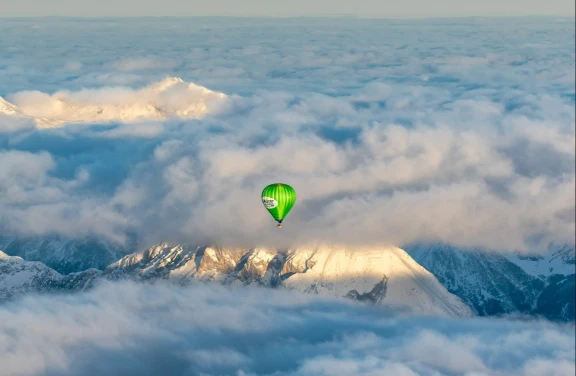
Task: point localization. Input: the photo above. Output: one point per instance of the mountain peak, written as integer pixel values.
(166, 83)
(169, 98)
(384, 276)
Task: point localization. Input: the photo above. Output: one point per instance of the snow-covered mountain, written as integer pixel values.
(66, 255)
(559, 259)
(498, 283)
(11, 110)
(489, 283)
(19, 277)
(171, 97)
(386, 276)
(7, 108)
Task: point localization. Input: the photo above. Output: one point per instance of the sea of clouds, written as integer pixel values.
(135, 329)
(391, 132)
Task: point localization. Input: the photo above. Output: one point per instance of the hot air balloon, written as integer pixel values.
(278, 199)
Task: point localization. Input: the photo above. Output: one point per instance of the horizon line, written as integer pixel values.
(335, 16)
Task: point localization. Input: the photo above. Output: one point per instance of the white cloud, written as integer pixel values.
(10, 124)
(145, 130)
(125, 328)
(35, 203)
(400, 138)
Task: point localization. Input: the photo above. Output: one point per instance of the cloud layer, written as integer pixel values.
(433, 131)
(129, 329)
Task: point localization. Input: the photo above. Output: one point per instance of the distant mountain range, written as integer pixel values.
(171, 97)
(437, 279)
(387, 276)
(66, 255)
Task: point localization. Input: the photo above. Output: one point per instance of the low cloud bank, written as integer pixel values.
(131, 329)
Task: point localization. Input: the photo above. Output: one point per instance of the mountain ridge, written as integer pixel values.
(67, 255)
(386, 276)
(19, 277)
(489, 283)
(362, 275)
(494, 283)
(169, 98)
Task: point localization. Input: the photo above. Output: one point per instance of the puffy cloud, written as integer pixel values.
(471, 143)
(125, 328)
(35, 203)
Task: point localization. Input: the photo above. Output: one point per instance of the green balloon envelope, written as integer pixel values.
(278, 199)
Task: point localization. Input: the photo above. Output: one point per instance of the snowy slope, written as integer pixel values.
(498, 283)
(166, 99)
(489, 283)
(7, 108)
(11, 110)
(65, 255)
(19, 277)
(559, 259)
(386, 276)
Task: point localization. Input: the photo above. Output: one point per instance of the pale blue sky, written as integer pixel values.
(364, 8)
